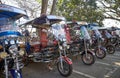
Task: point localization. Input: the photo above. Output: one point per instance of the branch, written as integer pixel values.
(111, 17)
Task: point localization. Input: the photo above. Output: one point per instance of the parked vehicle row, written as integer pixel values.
(54, 42)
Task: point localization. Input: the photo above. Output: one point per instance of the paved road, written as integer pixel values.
(109, 67)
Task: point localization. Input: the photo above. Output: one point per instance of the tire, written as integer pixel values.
(100, 53)
(2, 75)
(117, 46)
(88, 61)
(64, 72)
(110, 49)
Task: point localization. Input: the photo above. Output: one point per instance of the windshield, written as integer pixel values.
(58, 31)
(107, 34)
(7, 24)
(84, 33)
(97, 33)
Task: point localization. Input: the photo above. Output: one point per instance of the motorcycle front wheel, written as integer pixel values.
(110, 49)
(65, 70)
(100, 53)
(88, 59)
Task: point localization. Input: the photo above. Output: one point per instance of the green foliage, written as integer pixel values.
(80, 10)
(40, 1)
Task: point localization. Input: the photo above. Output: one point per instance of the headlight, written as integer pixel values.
(3, 55)
(13, 49)
(60, 47)
(68, 46)
(21, 52)
(64, 44)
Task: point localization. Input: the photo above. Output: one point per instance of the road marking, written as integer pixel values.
(111, 72)
(107, 64)
(103, 63)
(115, 57)
(83, 74)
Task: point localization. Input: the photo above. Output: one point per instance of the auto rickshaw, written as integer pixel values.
(107, 40)
(49, 44)
(10, 64)
(80, 42)
(100, 51)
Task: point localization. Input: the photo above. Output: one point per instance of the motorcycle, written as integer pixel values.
(80, 45)
(115, 40)
(11, 56)
(49, 48)
(97, 39)
(107, 41)
(10, 62)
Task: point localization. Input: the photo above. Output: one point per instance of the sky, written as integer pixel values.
(106, 22)
(110, 23)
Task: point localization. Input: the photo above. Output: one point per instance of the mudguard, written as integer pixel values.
(103, 48)
(15, 73)
(89, 52)
(66, 59)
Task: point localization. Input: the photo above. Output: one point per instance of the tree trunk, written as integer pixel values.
(44, 6)
(53, 9)
(0, 2)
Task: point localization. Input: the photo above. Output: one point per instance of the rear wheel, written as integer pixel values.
(88, 59)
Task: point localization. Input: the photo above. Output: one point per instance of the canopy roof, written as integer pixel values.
(44, 20)
(8, 11)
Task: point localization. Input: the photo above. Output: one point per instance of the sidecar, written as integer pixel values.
(43, 24)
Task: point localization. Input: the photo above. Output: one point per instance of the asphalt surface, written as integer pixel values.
(109, 67)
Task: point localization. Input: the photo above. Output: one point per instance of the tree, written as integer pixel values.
(44, 6)
(32, 7)
(53, 9)
(81, 10)
(111, 8)
(0, 2)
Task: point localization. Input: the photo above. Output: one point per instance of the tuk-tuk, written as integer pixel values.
(80, 42)
(50, 42)
(106, 34)
(100, 51)
(10, 64)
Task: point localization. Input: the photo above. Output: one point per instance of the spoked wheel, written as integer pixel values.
(2, 75)
(65, 69)
(100, 53)
(110, 49)
(117, 46)
(89, 59)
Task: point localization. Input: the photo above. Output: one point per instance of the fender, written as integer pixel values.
(103, 48)
(14, 72)
(110, 45)
(66, 59)
(89, 51)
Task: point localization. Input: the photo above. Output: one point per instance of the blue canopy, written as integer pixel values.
(8, 11)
